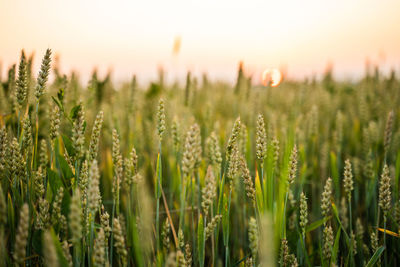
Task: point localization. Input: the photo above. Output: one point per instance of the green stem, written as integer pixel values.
(306, 259)
(226, 256)
(198, 193)
(384, 238)
(182, 205)
(52, 152)
(112, 232)
(284, 214)
(76, 173)
(212, 240)
(85, 212)
(262, 175)
(192, 199)
(158, 194)
(19, 118)
(264, 190)
(157, 225)
(36, 136)
(91, 240)
(351, 231)
(227, 234)
(271, 192)
(76, 257)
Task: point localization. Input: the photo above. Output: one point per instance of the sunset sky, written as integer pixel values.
(137, 36)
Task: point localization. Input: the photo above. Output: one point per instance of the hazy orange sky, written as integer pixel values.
(137, 36)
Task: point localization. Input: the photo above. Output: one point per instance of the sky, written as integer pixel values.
(137, 37)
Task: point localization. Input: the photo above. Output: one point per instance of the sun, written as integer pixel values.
(272, 77)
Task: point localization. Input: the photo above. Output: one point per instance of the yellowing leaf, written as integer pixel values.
(259, 194)
(389, 232)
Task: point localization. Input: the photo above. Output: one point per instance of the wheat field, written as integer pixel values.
(199, 174)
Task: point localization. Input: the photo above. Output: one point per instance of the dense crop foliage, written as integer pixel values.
(204, 174)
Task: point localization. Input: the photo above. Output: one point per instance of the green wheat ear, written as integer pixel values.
(99, 255)
(94, 140)
(43, 156)
(326, 198)
(212, 225)
(56, 212)
(209, 191)
(261, 139)
(21, 238)
(287, 259)
(233, 138)
(213, 150)
(93, 192)
(181, 239)
(4, 143)
(388, 131)
(188, 255)
(22, 81)
(233, 166)
(43, 75)
(118, 164)
(105, 223)
(175, 132)
(55, 119)
(67, 252)
(27, 133)
(119, 241)
(3, 208)
(348, 179)
(190, 150)
(160, 119)
(303, 213)
(50, 253)
(267, 245)
(78, 133)
(43, 218)
(292, 165)
(75, 218)
(248, 182)
(166, 229)
(253, 237)
(385, 199)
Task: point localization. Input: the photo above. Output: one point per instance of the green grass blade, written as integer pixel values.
(316, 224)
(200, 240)
(335, 248)
(375, 257)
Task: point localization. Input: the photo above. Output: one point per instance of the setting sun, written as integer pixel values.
(272, 77)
